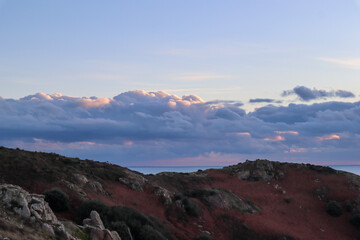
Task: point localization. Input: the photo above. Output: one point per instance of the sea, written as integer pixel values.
(154, 170)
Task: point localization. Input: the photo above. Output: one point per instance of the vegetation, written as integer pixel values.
(192, 208)
(57, 199)
(123, 219)
(81, 235)
(201, 193)
(83, 211)
(355, 219)
(204, 237)
(334, 209)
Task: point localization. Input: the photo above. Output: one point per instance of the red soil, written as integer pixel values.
(304, 217)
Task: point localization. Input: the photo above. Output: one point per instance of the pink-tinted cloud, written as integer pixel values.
(157, 126)
(287, 132)
(328, 137)
(275, 139)
(243, 134)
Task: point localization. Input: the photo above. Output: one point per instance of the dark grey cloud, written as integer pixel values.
(307, 94)
(225, 102)
(263, 100)
(148, 126)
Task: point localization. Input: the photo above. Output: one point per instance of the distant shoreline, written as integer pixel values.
(186, 169)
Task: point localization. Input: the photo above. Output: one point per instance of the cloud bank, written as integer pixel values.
(263, 100)
(156, 128)
(307, 94)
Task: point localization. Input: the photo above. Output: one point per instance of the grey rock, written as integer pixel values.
(96, 220)
(80, 178)
(134, 180)
(48, 228)
(33, 207)
(164, 195)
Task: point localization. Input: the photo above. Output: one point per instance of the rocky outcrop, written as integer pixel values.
(259, 170)
(133, 180)
(165, 196)
(225, 199)
(32, 207)
(95, 227)
(94, 221)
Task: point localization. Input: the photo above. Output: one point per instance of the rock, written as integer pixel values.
(97, 230)
(87, 222)
(96, 186)
(75, 188)
(243, 175)
(97, 234)
(16, 199)
(81, 179)
(164, 195)
(225, 199)
(32, 207)
(48, 228)
(134, 180)
(113, 236)
(70, 227)
(96, 220)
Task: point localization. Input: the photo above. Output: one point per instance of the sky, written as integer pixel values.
(182, 82)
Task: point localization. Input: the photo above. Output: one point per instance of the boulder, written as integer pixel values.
(133, 180)
(96, 220)
(164, 195)
(32, 207)
(95, 227)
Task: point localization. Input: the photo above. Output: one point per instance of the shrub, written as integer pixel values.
(201, 193)
(149, 233)
(334, 209)
(123, 219)
(204, 237)
(348, 206)
(57, 199)
(83, 211)
(122, 229)
(191, 207)
(355, 219)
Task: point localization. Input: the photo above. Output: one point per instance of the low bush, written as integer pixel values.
(200, 193)
(355, 219)
(149, 233)
(123, 219)
(57, 199)
(83, 211)
(122, 229)
(192, 208)
(204, 237)
(334, 209)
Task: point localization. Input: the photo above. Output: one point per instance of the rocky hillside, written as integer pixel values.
(252, 200)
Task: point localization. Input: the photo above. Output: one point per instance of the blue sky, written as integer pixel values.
(276, 52)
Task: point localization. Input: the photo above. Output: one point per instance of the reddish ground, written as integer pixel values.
(302, 217)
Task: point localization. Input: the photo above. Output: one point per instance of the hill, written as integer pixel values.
(253, 200)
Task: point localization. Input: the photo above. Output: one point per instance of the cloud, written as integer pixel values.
(307, 94)
(263, 100)
(287, 132)
(140, 127)
(328, 137)
(353, 63)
